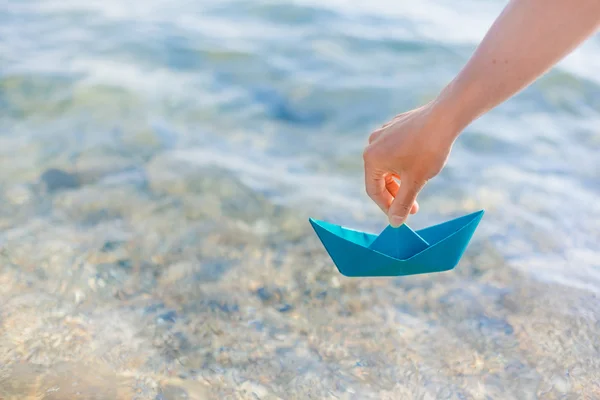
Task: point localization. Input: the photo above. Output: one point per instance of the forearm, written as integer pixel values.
(526, 40)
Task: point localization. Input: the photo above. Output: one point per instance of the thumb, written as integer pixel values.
(405, 198)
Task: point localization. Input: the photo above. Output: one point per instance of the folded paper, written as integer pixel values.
(397, 251)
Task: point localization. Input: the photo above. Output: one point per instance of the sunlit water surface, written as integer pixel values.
(159, 161)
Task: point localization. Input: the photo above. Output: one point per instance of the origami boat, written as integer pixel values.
(397, 251)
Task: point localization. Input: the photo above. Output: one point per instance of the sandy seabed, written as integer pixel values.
(171, 281)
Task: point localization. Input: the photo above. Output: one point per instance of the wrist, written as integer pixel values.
(455, 107)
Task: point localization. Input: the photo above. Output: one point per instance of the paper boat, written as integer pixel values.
(397, 251)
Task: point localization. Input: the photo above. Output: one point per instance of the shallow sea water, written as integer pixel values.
(158, 164)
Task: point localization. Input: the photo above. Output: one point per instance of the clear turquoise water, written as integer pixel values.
(196, 126)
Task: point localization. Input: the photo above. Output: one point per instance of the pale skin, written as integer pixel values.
(526, 40)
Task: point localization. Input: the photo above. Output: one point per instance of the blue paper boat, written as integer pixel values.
(397, 251)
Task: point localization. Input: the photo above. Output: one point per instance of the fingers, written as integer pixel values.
(415, 208)
(391, 184)
(382, 188)
(375, 184)
(405, 201)
(376, 189)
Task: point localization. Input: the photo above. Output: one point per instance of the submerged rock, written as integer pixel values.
(53, 180)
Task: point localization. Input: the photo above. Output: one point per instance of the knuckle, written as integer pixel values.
(372, 137)
(368, 153)
(372, 153)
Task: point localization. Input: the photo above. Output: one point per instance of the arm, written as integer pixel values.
(527, 39)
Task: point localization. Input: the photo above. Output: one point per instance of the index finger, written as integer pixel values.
(376, 187)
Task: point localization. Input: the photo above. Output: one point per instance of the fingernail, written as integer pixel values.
(396, 221)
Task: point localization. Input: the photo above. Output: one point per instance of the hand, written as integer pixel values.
(413, 148)
(525, 41)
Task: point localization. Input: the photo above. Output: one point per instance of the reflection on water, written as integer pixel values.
(159, 162)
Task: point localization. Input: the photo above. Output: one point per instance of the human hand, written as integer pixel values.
(525, 41)
(413, 148)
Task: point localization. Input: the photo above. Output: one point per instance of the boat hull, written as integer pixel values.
(351, 254)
